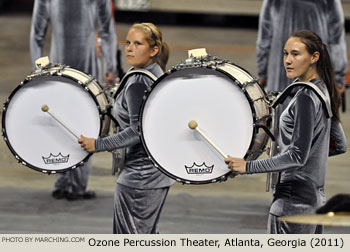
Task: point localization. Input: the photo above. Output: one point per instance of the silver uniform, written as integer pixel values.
(279, 18)
(304, 136)
(141, 188)
(74, 24)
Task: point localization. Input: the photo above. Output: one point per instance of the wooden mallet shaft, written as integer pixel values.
(194, 126)
(45, 108)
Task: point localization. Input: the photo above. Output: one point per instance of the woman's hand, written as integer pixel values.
(110, 79)
(87, 144)
(263, 82)
(268, 150)
(237, 165)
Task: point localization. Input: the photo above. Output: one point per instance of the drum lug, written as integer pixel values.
(180, 66)
(59, 70)
(84, 86)
(155, 165)
(263, 117)
(249, 155)
(189, 61)
(62, 67)
(89, 80)
(223, 178)
(149, 89)
(258, 99)
(239, 85)
(248, 83)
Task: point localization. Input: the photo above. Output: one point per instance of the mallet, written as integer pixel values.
(45, 108)
(194, 125)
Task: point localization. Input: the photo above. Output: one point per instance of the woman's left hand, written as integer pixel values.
(237, 165)
(87, 144)
(110, 79)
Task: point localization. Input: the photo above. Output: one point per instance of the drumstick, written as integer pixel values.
(45, 108)
(194, 125)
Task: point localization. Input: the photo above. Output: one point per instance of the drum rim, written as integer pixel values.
(145, 98)
(26, 81)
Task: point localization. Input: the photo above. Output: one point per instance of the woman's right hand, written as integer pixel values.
(268, 150)
(237, 165)
(87, 144)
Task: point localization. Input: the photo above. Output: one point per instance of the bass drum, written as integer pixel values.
(229, 106)
(34, 137)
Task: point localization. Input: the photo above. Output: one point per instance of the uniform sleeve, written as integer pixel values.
(337, 142)
(264, 39)
(337, 43)
(40, 20)
(107, 34)
(297, 153)
(129, 136)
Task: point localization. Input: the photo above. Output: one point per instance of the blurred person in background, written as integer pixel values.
(74, 25)
(279, 18)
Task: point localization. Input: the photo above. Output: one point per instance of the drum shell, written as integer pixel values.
(260, 107)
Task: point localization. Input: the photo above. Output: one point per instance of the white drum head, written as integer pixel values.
(39, 141)
(221, 110)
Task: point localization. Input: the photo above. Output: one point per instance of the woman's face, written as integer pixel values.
(138, 52)
(298, 62)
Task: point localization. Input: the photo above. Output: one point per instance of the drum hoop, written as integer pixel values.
(150, 156)
(26, 81)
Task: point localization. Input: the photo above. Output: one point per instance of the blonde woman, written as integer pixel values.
(141, 189)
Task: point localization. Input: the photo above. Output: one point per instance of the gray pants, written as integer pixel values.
(276, 226)
(137, 211)
(74, 181)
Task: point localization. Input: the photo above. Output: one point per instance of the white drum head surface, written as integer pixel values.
(36, 137)
(221, 110)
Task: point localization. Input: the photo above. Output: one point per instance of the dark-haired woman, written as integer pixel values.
(304, 137)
